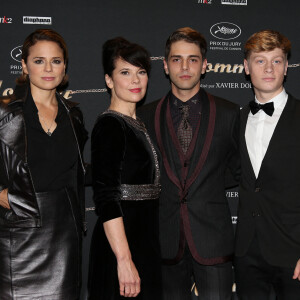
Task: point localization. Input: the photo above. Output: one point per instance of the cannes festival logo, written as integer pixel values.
(225, 31)
(16, 53)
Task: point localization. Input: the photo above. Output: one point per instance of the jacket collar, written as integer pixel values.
(280, 129)
(14, 134)
(159, 123)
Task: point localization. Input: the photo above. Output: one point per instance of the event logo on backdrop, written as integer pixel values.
(224, 34)
(234, 2)
(37, 20)
(16, 55)
(224, 37)
(225, 31)
(5, 20)
(205, 1)
(7, 91)
(225, 68)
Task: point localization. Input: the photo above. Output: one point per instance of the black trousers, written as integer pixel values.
(255, 278)
(212, 282)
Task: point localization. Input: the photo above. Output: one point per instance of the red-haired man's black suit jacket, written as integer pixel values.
(270, 204)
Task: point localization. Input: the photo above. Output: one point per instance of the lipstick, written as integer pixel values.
(48, 78)
(135, 90)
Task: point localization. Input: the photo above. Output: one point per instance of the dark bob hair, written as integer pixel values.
(43, 35)
(129, 52)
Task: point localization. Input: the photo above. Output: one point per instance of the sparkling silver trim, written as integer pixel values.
(141, 191)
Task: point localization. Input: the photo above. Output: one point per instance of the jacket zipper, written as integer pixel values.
(81, 160)
(29, 172)
(74, 132)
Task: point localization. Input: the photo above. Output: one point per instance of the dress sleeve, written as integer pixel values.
(108, 148)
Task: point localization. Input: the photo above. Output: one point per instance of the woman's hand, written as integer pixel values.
(297, 271)
(4, 199)
(129, 280)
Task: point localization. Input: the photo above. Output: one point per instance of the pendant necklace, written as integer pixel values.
(44, 121)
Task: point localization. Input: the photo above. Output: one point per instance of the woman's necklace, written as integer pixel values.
(46, 123)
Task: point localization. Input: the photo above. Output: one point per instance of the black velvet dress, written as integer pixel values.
(125, 181)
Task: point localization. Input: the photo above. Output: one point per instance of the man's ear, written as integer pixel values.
(204, 65)
(286, 67)
(246, 67)
(166, 67)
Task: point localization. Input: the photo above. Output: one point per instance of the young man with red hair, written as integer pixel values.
(268, 233)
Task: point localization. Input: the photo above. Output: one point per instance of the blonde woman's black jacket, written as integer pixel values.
(14, 171)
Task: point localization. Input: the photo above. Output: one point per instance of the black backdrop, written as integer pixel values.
(85, 25)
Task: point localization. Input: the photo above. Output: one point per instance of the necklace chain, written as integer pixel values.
(44, 121)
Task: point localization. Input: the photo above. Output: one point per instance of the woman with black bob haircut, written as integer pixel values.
(118, 47)
(124, 256)
(41, 178)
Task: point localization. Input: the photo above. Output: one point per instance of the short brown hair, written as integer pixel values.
(189, 35)
(266, 40)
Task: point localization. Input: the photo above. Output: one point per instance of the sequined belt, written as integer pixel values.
(140, 191)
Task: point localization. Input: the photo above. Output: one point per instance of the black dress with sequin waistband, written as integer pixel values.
(125, 171)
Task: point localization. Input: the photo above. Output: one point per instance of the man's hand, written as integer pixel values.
(4, 199)
(297, 271)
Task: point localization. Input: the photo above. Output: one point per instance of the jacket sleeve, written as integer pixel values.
(3, 185)
(82, 137)
(81, 132)
(108, 148)
(233, 172)
(3, 174)
(3, 178)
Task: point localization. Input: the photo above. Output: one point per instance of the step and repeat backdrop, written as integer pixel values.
(86, 25)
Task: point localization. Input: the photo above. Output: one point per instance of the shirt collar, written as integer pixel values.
(278, 100)
(29, 104)
(192, 101)
(31, 109)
